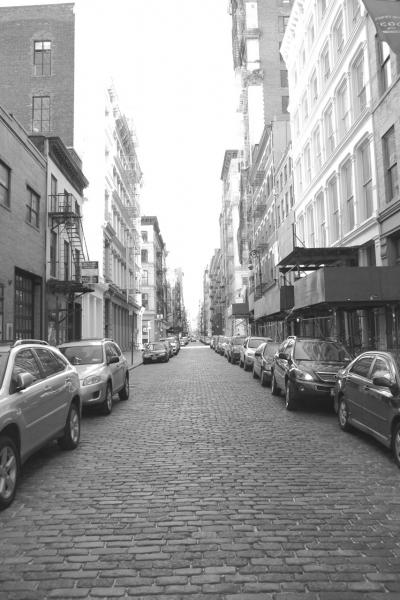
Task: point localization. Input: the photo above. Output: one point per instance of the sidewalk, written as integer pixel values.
(134, 361)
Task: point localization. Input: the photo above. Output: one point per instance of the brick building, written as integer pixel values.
(22, 233)
(37, 67)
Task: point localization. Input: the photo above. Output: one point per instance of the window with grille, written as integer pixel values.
(390, 165)
(32, 208)
(366, 178)
(24, 306)
(41, 114)
(4, 184)
(346, 177)
(42, 58)
(333, 209)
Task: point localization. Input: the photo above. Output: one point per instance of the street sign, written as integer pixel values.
(90, 279)
(90, 264)
(90, 271)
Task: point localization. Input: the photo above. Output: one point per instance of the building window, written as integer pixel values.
(307, 164)
(300, 230)
(304, 104)
(285, 104)
(66, 260)
(314, 88)
(317, 149)
(346, 177)
(321, 221)
(321, 8)
(4, 184)
(145, 277)
(360, 100)
(145, 256)
(1, 311)
(310, 33)
(343, 109)
(32, 208)
(338, 35)
(325, 64)
(385, 66)
(42, 58)
(41, 114)
(284, 78)
(24, 306)
(310, 227)
(251, 15)
(366, 177)
(333, 202)
(144, 236)
(329, 132)
(53, 253)
(252, 54)
(282, 23)
(390, 165)
(299, 176)
(145, 300)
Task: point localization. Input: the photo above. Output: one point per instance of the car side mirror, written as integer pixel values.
(257, 354)
(384, 382)
(22, 381)
(283, 356)
(112, 360)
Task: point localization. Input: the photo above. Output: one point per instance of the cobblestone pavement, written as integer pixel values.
(200, 486)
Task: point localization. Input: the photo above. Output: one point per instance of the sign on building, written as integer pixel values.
(386, 17)
(90, 271)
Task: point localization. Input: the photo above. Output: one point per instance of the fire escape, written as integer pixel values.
(68, 250)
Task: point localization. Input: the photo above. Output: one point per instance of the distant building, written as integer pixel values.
(153, 284)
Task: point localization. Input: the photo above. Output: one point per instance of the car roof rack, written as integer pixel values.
(30, 341)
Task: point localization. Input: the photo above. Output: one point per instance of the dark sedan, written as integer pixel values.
(367, 397)
(155, 352)
(263, 359)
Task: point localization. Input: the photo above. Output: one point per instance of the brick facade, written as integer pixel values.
(20, 27)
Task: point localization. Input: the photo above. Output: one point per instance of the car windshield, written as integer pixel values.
(3, 364)
(155, 346)
(271, 348)
(83, 355)
(255, 342)
(320, 350)
(238, 341)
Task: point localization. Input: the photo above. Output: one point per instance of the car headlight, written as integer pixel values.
(303, 375)
(91, 380)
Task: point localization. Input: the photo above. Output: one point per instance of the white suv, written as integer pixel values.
(248, 349)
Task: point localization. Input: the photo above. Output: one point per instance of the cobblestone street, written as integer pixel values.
(202, 485)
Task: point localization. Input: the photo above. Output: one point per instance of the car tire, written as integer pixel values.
(396, 443)
(229, 359)
(290, 396)
(72, 430)
(124, 393)
(9, 469)
(255, 376)
(343, 415)
(263, 380)
(275, 391)
(245, 365)
(107, 406)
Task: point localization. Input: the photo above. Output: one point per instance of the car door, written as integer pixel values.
(354, 387)
(378, 399)
(114, 368)
(31, 402)
(282, 364)
(57, 382)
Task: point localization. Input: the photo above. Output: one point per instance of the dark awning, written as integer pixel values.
(309, 259)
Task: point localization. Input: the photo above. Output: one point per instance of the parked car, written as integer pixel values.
(169, 347)
(367, 397)
(184, 340)
(39, 401)
(247, 350)
(102, 369)
(155, 352)
(305, 367)
(233, 348)
(174, 343)
(263, 358)
(222, 345)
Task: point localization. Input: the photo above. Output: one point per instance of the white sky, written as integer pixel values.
(171, 61)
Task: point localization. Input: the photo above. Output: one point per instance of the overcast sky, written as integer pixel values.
(171, 62)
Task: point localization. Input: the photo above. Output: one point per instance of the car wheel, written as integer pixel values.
(290, 396)
(263, 379)
(229, 359)
(245, 365)
(343, 415)
(9, 471)
(106, 407)
(396, 443)
(124, 393)
(255, 376)
(274, 388)
(72, 431)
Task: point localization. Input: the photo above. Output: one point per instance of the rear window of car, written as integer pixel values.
(238, 341)
(156, 346)
(255, 342)
(83, 355)
(271, 348)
